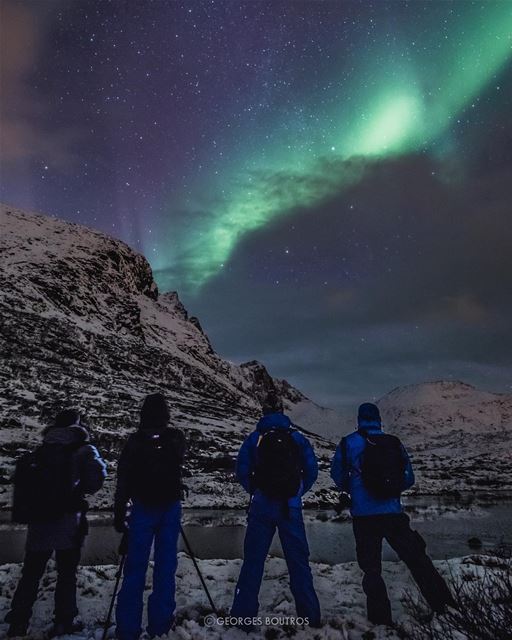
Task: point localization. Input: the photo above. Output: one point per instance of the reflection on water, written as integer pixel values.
(331, 542)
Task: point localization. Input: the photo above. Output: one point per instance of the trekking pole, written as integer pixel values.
(191, 554)
(123, 550)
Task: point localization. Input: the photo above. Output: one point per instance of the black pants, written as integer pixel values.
(410, 547)
(34, 566)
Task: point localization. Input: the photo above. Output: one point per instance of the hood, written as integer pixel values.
(154, 412)
(368, 416)
(273, 421)
(370, 425)
(66, 435)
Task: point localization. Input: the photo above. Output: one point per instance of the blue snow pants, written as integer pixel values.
(148, 524)
(265, 517)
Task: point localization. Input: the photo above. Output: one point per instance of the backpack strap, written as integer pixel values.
(363, 434)
(344, 462)
(252, 488)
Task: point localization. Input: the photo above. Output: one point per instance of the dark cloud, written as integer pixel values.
(400, 278)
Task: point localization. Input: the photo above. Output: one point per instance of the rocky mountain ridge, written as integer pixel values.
(83, 323)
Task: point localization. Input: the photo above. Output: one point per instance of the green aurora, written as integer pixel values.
(397, 104)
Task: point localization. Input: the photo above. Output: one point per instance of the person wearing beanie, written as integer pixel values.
(147, 510)
(276, 465)
(373, 468)
(49, 488)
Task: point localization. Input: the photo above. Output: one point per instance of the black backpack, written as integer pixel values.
(383, 465)
(44, 487)
(154, 470)
(278, 469)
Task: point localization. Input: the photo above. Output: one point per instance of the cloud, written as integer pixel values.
(25, 122)
(399, 278)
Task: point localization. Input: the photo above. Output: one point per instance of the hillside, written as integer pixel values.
(83, 324)
(458, 436)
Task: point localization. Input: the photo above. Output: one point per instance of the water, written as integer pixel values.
(330, 542)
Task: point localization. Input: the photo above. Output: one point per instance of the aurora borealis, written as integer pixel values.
(408, 107)
(342, 164)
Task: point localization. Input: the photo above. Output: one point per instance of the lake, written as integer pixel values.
(220, 533)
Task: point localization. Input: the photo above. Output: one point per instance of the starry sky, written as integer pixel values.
(327, 184)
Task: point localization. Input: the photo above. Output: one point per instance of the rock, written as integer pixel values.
(475, 543)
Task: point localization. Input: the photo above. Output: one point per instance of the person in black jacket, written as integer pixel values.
(376, 517)
(65, 443)
(148, 508)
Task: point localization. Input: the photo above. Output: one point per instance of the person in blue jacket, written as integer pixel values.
(376, 518)
(266, 514)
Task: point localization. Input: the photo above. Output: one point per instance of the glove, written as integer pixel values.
(120, 520)
(120, 525)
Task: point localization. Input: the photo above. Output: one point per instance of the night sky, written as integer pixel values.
(326, 184)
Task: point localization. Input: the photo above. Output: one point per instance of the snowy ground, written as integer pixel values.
(338, 587)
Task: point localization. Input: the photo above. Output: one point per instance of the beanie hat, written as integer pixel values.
(368, 415)
(67, 418)
(155, 412)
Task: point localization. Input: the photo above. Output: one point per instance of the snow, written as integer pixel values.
(459, 437)
(338, 587)
(447, 405)
(328, 423)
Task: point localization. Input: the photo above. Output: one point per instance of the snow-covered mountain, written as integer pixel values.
(460, 437)
(83, 324)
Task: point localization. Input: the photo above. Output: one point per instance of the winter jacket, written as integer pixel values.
(247, 458)
(129, 452)
(88, 473)
(349, 478)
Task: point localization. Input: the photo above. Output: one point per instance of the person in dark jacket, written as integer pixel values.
(375, 518)
(266, 514)
(148, 508)
(64, 535)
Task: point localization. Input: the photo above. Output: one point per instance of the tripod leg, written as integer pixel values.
(191, 554)
(112, 601)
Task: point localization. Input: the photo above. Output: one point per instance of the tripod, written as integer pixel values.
(194, 560)
(123, 550)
